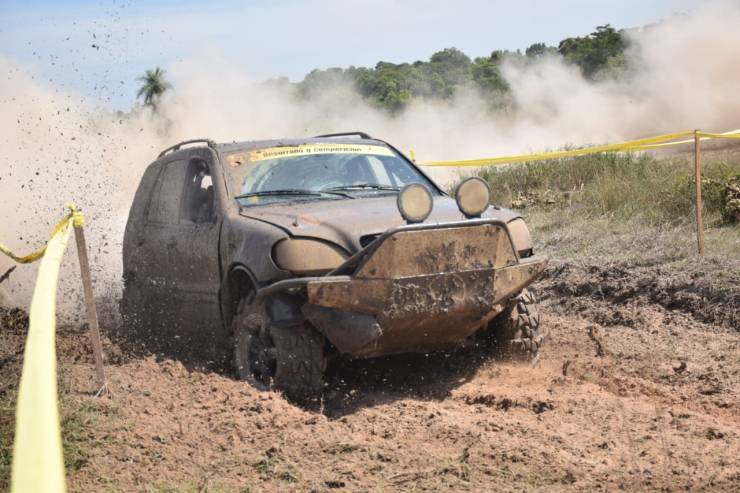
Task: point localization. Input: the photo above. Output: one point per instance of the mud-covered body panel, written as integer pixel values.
(248, 242)
(346, 222)
(171, 262)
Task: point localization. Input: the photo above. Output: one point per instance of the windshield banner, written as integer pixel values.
(308, 149)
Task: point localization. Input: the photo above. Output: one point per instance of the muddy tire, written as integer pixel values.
(291, 359)
(516, 331)
(254, 356)
(301, 362)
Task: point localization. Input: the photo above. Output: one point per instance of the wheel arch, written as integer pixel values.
(238, 283)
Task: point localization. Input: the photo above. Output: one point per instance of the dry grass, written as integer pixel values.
(637, 188)
(563, 234)
(636, 209)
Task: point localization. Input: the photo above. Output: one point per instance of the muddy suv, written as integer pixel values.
(280, 254)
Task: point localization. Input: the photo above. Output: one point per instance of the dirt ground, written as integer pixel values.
(634, 391)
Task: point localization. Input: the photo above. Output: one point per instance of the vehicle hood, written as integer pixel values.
(345, 221)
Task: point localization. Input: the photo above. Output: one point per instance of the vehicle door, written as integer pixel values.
(180, 238)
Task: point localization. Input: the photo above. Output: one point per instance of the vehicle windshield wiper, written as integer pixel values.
(290, 191)
(365, 186)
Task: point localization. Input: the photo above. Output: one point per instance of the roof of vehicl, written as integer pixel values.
(227, 148)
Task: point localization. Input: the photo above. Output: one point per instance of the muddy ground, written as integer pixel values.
(638, 389)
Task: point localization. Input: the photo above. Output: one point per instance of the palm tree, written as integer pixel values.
(153, 85)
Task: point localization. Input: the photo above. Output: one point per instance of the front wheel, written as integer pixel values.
(516, 331)
(254, 354)
(290, 358)
(301, 362)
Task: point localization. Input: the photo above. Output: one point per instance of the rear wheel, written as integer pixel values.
(291, 358)
(516, 331)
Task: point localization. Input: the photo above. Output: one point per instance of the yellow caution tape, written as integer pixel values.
(38, 463)
(632, 145)
(735, 134)
(732, 134)
(74, 215)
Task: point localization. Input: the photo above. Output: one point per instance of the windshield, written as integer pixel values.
(322, 171)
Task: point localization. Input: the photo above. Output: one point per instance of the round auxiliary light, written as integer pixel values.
(414, 202)
(473, 196)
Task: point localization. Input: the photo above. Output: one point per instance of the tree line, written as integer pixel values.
(391, 86)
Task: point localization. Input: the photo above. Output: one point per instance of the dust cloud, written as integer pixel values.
(60, 147)
(682, 76)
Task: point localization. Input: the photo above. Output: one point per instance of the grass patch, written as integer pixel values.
(564, 235)
(632, 208)
(80, 420)
(7, 430)
(624, 187)
(84, 420)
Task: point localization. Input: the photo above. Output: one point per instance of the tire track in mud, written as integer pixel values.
(697, 292)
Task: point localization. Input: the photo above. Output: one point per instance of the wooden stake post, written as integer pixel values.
(92, 313)
(699, 205)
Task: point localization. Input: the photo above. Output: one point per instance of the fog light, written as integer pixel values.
(414, 202)
(473, 196)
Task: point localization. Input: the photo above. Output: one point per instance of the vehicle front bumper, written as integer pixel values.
(372, 317)
(419, 288)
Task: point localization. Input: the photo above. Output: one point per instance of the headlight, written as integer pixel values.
(520, 236)
(473, 196)
(414, 202)
(304, 256)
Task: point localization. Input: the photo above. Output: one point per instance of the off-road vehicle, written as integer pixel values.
(282, 253)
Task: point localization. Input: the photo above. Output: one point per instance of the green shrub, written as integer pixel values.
(730, 197)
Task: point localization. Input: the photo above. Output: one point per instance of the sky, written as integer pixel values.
(99, 48)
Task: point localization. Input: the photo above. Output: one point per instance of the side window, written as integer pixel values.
(164, 207)
(198, 203)
(183, 194)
